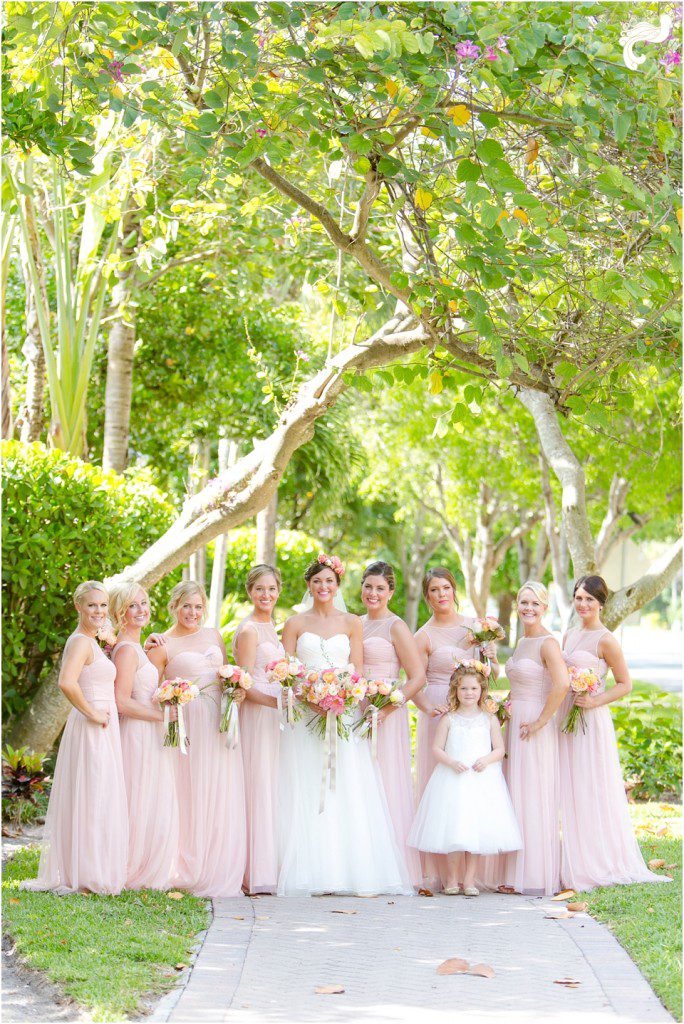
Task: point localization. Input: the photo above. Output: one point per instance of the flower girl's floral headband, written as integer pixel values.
(474, 666)
(333, 562)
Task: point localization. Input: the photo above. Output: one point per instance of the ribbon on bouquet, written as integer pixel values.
(329, 757)
(233, 730)
(290, 707)
(374, 731)
(279, 707)
(182, 735)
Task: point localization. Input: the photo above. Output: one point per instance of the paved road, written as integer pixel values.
(654, 655)
(262, 960)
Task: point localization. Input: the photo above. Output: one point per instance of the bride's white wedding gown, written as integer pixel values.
(350, 847)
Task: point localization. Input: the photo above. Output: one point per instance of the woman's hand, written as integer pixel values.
(154, 640)
(239, 695)
(100, 718)
(480, 765)
(528, 729)
(459, 767)
(489, 650)
(437, 710)
(586, 700)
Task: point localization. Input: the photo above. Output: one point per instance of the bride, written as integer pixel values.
(348, 847)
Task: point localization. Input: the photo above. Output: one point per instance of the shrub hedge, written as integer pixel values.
(64, 521)
(294, 551)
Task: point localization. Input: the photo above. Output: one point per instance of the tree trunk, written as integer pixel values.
(412, 589)
(631, 598)
(7, 425)
(199, 473)
(40, 725)
(120, 354)
(32, 415)
(504, 613)
(266, 522)
(227, 456)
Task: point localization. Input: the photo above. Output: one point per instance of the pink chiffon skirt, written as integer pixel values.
(599, 846)
(260, 742)
(211, 804)
(394, 759)
(152, 805)
(86, 826)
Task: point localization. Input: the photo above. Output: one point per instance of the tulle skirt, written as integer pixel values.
(434, 866)
(86, 826)
(349, 847)
(211, 804)
(260, 740)
(152, 805)
(599, 846)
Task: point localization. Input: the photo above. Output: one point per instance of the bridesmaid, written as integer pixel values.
(441, 642)
(255, 644)
(211, 794)
(538, 679)
(148, 764)
(86, 827)
(599, 847)
(388, 646)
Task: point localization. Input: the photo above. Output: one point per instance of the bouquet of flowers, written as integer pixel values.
(483, 631)
(379, 693)
(336, 691)
(582, 680)
(106, 637)
(175, 693)
(499, 707)
(291, 674)
(232, 678)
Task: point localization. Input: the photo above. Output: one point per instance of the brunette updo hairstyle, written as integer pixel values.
(440, 572)
(315, 567)
(257, 571)
(459, 673)
(383, 569)
(594, 585)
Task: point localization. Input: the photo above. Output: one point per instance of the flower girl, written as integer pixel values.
(466, 807)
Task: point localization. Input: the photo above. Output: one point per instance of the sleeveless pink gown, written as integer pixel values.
(599, 847)
(532, 773)
(380, 661)
(446, 644)
(86, 827)
(211, 795)
(260, 743)
(150, 788)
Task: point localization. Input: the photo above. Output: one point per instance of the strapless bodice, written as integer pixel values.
(318, 652)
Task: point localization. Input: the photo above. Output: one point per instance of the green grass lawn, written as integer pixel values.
(647, 919)
(104, 951)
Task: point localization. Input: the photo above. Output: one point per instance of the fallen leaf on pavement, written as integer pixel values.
(262, 917)
(565, 895)
(559, 916)
(181, 967)
(344, 911)
(328, 990)
(175, 895)
(390, 903)
(506, 890)
(657, 862)
(425, 892)
(568, 982)
(578, 908)
(455, 965)
(236, 918)
(482, 971)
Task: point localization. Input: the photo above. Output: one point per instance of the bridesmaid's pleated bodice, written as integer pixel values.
(447, 644)
(528, 677)
(97, 679)
(580, 649)
(146, 677)
(269, 648)
(196, 656)
(379, 655)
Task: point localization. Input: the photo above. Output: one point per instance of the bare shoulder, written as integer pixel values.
(78, 646)
(609, 644)
(353, 622)
(550, 648)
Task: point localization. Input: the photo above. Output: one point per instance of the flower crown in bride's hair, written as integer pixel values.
(473, 666)
(333, 562)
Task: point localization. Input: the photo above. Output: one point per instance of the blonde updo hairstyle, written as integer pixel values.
(121, 599)
(84, 588)
(459, 673)
(538, 589)
(440, 572)
(257, 571)
(183, 590)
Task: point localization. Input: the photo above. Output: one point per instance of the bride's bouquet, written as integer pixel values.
(336, 692)
(379, 693)
(232, 678)
(582, 680)
(291, 674)
(175, 693)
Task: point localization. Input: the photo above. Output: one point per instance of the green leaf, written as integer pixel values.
(621, 125)
(489, 150)
(664, 92)
(467, 171)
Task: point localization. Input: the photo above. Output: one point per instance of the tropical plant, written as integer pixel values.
(23, 779)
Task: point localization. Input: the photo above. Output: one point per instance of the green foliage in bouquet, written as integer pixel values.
(63, 521)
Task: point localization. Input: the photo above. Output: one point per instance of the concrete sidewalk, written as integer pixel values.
(262, 960)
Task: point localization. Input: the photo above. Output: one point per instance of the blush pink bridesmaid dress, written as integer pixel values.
(211, 795)
(86, 827)
(150, 788)
(599, 847)
(531, 769)
(380, 661)
(446, 644)
(260, 744)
